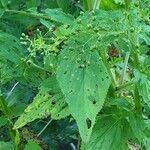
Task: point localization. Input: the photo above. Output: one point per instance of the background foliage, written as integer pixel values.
(74, 74)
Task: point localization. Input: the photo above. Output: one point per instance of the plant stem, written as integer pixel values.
(14, 134)
(102, 54)
(96, 4)
(137, 100)
(124, 68)
(44, 128)
(12, 90)
(111, 92)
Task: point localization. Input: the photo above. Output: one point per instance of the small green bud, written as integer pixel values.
(93, 12)
(81, 12)
(93, 18)
(51, 65)
(24, 43)
(132, 29)
(23, 34)
(37, 29)
(90, 26)
(82, 66)
(79, 21)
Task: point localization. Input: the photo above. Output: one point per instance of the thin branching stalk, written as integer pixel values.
(13, 88)
(44, 128)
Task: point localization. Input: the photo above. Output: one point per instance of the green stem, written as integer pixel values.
(111, 92)
(124, 68)
(105, 61)
(31, 64)
(14, 134)
(96, 4)
(137, 100)
(136, 62)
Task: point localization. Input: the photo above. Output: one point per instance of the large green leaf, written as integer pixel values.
(59, 16)
(108, 134)
(64, 4)
(1, 12)
(10, 48)
(33, 3)
(138, 126)
(84, 80)
(49, 101)
(32, 145)
(6, 146)
(143, 86)
(3, 121)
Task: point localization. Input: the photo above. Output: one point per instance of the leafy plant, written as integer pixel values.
(92, 68)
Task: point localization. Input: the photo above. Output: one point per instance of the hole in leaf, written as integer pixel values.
(88, 123)
(70, 91)
(94, 102)
(53, 102)
(88, 89)
(65, 72)
(107, 77)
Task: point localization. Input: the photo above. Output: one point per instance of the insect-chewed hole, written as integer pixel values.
(70, 91)
(53, 103)
(94, 102)
(65, 72)
(96, 85)
(88, 123)
(88, 90)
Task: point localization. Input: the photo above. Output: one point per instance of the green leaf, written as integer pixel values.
(1, 12)
(59, 16)
(10, 48)
(119, 2)
(147, 143)
(3, 121)
(4, 3)
(33, 3)
(46, 23)
(138, 126)
(143, 86)
(64, 4)
(6, 146)
(88, 4)
(84, 80)
(49, 101)
(108, 134)
(109, 5)
(31, 145)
